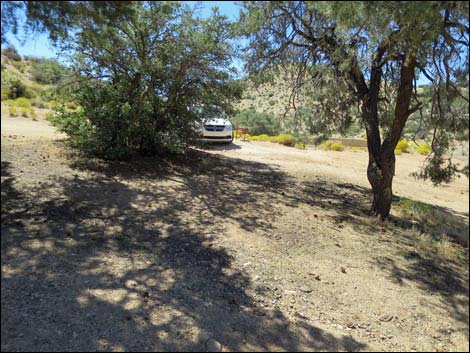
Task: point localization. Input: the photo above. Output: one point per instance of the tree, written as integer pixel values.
(374, 52)
(58, 19)
(140, 79)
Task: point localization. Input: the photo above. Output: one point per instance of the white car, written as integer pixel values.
(217, 130)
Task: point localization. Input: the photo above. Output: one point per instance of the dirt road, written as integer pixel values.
(253, 246)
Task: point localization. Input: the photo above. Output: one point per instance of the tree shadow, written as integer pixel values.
(347, 204)
(170, 286)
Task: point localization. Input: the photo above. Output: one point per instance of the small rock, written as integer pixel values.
(343, 270)
(213, 346)
(305, 289)
(386, 317)
(317, 277)
(292, 292)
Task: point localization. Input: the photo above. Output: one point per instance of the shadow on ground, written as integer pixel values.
(348, 205)
(170, 287)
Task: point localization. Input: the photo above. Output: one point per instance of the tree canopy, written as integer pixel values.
(366, 57)
(140, 78)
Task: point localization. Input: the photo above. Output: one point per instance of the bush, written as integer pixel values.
(40, 104)
(5, 93)
(300, 146)
(20, 66)
(337, 147)
(32, 112)
(285, 139)
(47, 71)
(11, 53)
(71, 105)
(423, 149)
(402, 146)
(326, 145)
(12, 111)
(22, 102)
(24, 112)
(331, 146)
(398, 152)
(256, 122)
(16, 88)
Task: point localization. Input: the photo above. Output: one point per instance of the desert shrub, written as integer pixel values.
(24, 112)
(262, 137)
(12, 111)
(22, 102)
(32, 112)
(398, 152)
(47, 71)
(402, 146)
(40, 104)
(5, 93)
(285, 139)
(19, 65)
(354, 149)
(11, 53)
(272, 102)
(326, 145)
(337, 147)
(300, 146)
(16, 87)
(423, 149)
(256, 122)
(71, 105)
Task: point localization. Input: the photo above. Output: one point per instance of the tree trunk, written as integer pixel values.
(380, 174)
(381, 168)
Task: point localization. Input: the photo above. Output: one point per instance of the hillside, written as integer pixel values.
(29, 86)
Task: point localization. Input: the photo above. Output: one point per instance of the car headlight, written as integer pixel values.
(228, 128)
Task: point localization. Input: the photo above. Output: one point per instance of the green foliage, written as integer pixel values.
(285, 139)
(257, 123)
(47, 71)
(71, 105)
(19, 65)
(10, 51)
(14, 86)
(24, 112)
(402, 147)
(5, 93)
(332, 146)
(262, 137)
(416, 208)
(300, 146)
(329, 53)
(144, 89)
(12, 111)
(337, 147)
(32, 113)
(326, 145)
(39, 104)
(22, 102)
(423, 148)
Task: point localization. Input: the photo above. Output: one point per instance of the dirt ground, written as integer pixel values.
(247, 247)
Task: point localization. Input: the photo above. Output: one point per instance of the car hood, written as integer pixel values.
(218, 121)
